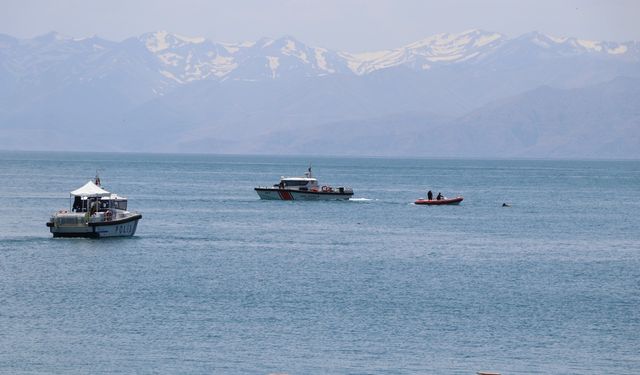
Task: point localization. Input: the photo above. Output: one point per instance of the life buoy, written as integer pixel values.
(107, 216)
(325, 189)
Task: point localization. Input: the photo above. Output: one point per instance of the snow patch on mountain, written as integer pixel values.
(557, 39)
(222, 66)
(590, 45)
(618, 50)
(194, 40)
(273, 65)
(157, 41)
(170, 58)
(291, 49)
(440, 48)
(170, 76)
(367, 62)
(575, 46)
(321, 61)
(486, 39)
(162, 40)
(266, 43)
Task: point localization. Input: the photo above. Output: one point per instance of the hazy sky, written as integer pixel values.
(348, 25)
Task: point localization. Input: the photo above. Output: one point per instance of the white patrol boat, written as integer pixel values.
(94, 213)
(303, 188)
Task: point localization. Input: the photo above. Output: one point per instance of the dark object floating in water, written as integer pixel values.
(506, 205)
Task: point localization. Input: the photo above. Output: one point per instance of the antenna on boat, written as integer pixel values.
(308, 172)
(97, 179)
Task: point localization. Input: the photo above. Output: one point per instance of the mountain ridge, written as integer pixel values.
(539, 123)
(201, 58)
(165, 92)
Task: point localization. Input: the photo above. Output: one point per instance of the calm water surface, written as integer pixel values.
(217, 281)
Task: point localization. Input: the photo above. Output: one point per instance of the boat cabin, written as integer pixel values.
(306, 183)
(298, 183)
(92, 197)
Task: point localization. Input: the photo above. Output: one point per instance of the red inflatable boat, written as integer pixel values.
(435, 202)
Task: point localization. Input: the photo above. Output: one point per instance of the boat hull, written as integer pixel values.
(434, 202)
(298, 195)
(125, 227)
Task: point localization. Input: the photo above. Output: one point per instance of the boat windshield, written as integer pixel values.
(296, 182)
(119, 204)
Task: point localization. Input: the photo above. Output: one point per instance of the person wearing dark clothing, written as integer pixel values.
(77, 204)
(439, 197)
(429, 195)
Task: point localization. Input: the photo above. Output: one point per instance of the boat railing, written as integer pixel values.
(81, 219)
(69, 220)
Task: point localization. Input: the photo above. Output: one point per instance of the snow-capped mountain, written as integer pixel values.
(181, 59)
(195, 94)
(283, 58)
(575, 46)
(186, 59)
(189, 59)
(435, 50)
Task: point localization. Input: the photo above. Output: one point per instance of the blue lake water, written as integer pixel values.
(217, 281)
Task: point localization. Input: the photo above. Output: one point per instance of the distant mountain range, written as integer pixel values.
(472, 94)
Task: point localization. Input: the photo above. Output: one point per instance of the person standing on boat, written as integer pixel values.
(94, 207)
(429, 195)
(439, 197)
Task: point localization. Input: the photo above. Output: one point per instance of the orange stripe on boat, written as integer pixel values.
(285, 195)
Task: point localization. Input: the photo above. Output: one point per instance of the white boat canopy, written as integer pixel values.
(90, 190)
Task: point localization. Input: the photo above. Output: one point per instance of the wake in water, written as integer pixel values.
(361, 200)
